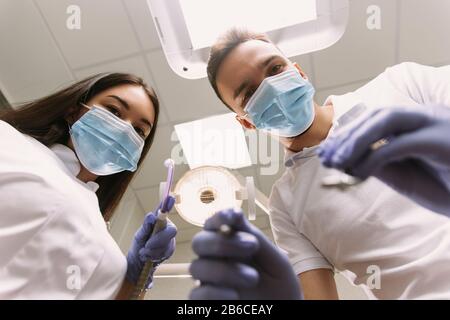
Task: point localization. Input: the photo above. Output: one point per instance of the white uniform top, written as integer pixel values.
(369, 224)
(54, 243)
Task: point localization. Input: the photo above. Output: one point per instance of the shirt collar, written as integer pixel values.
(71, 162)
(347, 107)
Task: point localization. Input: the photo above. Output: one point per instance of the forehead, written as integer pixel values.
(129, 92)
(135, 96)
(242, 63)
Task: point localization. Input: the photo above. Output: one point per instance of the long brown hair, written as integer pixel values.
(45, 120)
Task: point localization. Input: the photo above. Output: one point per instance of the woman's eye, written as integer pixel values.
(140, 132)
(113, 110)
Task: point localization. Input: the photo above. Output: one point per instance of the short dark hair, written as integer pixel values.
(223, 47)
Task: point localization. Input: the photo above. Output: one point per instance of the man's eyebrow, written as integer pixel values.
(267, 61)
(122, 102)
(262, 65)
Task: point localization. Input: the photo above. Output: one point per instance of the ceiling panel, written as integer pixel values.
(30, 65)
(135, 65)
(361, 53)
(424, 31)
(105, 33)
(140, 16)
(184, 99)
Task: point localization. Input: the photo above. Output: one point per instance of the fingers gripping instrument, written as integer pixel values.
(161, 222)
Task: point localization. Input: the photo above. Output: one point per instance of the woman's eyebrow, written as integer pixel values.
(122, 102)
(127, 106)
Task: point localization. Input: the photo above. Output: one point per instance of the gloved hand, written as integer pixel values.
(241, 265)
(415, 161)
(157, 248)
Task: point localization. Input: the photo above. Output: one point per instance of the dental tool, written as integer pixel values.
(161, 222)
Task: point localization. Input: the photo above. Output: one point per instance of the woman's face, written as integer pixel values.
(130, 103)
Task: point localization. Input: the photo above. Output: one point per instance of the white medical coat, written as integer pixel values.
(367, 227)
(54, 243)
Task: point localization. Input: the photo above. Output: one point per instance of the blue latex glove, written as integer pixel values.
(242, 265)
(156, 249)
(416, 160)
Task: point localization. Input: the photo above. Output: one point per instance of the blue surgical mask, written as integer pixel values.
(283, 104)
(104, 143)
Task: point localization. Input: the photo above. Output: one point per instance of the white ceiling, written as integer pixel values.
(39, 55)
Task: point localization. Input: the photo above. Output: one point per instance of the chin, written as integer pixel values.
(297, 136)
(289, 142)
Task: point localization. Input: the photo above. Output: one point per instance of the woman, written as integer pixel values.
(65, 163)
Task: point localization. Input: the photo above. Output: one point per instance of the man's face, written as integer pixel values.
(243, 70)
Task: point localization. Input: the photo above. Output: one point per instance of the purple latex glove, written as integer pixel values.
(415, 161)
(241, 265)
(156, 249)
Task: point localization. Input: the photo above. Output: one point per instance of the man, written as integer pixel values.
(356, 229)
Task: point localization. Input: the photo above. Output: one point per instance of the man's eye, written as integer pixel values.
(248, 95)
(276, 69)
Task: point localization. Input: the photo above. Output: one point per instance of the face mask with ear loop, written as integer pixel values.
(283, 104)
(104, 143)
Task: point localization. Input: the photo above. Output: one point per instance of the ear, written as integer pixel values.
(302, 73)
(245, 123)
